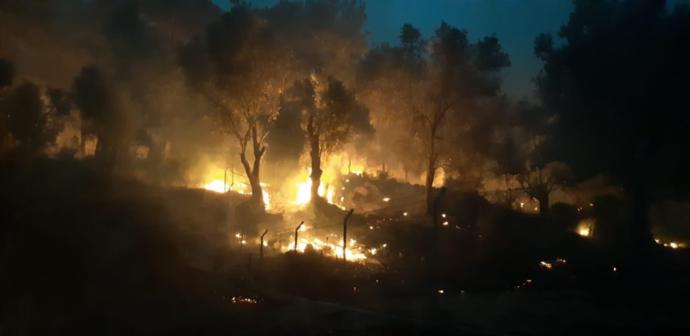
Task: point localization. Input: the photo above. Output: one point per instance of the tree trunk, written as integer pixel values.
(257, 191)
(315, 155)
(431, 168)
(641, 233)
(543, 200)
(253, 171)
(430, 177)
(254, 179)
(316, 171)
(82, 143)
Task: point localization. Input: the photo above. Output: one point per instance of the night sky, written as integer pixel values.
(515, 22)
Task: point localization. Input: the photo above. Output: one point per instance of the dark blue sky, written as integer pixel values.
(515, 22)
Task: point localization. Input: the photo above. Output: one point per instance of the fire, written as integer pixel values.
(296, 191)
(219, 186)
(303, 188)
(583, 231)
(335, 168)
(266, 197)
(303, 195)
(216, 186)
(331, 247)
(357, 170)
(673, 244)
(354, 252)
(303, 192)
(585, 228)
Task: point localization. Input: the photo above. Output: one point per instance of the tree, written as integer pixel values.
(101, 113)
(516, 154)
(539, 182)
(6, 79)
(237, 67)
(435, 86)
(6, 73)
(25, 117)
(331, 115)
(60, 101)
(615, 87)
(245, 61)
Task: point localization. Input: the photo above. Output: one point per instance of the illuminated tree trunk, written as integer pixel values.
(82, 142)
(430, 177)
(543, 199)
(316, 173)
(433, 159)
(253, 170)
(315, 155)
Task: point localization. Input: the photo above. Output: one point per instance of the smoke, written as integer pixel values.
(135, 73)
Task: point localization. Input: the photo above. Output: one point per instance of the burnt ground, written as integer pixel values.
(85, 253)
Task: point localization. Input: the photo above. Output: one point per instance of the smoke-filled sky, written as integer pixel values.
(515, 22)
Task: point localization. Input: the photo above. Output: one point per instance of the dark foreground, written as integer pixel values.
(86, 254)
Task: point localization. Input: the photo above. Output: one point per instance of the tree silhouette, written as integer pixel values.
(236, 66)
(25, 117)
(615, 86)
(101, 113)
(435, 85)
(331, 115)
(6, 73)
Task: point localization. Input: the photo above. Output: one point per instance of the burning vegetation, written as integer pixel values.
(272, 166)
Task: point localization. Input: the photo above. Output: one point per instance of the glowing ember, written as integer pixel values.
(244, 300)
(550, 264)
(583, 231)
(673, 244)
(585, 228)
